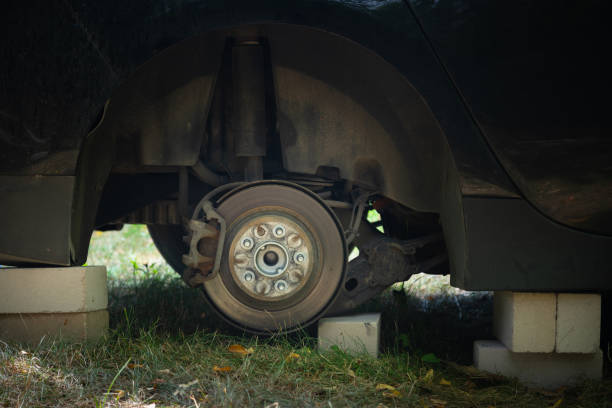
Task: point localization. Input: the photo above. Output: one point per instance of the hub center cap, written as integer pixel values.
(271, 259)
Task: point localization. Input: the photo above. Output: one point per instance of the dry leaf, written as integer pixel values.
(292, 356)
(438, 403)
(429, 375)
(164, 371)
(558, 403)
(120, 394)
(238, 349)
(351, 373)
(132, 366)
(380, 387)
(159, 381)
(223, 369)
(392, 394)
(273, 405)
(444, 382)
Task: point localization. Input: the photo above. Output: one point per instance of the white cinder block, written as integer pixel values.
(53, 290)
(548, 370)
(31, 327)
(355, 334)
(578, 323)
(525, 322)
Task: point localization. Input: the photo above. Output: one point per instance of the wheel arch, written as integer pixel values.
(339, 104)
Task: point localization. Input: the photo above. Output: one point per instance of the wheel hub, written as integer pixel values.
(270, 256)
(284, 258)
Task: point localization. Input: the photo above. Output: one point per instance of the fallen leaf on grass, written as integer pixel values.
(429, 375)
(392, 394)
(444, 382)
(437, 403)
(292, 356)
(273, 405)
(159, 381)
(558, 403)
(120, 394)
(238, 349)
(132, 366)
(388, 387)
(223, 369)
(351, 373)
(164, 371)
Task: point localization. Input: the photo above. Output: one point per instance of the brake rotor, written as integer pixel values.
(284, 258)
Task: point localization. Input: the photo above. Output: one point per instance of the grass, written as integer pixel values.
(166, 349)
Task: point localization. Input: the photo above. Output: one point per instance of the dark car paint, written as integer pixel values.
(69, 57)
(535, 75)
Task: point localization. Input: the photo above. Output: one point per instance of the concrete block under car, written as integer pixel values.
(578, 323)
(32, 327)
(53, 290)
(525, 322)
(69, 302)
(354, 334)
(546, 370)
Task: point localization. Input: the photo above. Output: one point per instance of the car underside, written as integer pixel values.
(254, 152)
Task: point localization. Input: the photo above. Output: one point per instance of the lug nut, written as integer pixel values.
(299, 257)
(249, 276)
(280, 285)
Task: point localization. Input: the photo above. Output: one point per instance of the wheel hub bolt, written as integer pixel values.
(279, 231)
(300, 258)
(280, 285)
(247, 243)
(249, 276)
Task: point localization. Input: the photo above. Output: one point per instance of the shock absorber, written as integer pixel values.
(248, 124)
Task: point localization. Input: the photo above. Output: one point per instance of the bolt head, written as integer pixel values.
(247, 243)
(280, 285)
(279, 231)
(249, 276)
(300, 258)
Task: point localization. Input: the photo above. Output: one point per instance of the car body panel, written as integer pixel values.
(535, 77)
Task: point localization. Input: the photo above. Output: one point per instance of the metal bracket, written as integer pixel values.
(381, 263)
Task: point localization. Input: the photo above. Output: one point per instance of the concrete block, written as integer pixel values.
(525, 322)
(354, 334)
(578, 323)
(31, 327)
(547, 370)
(53, 290)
